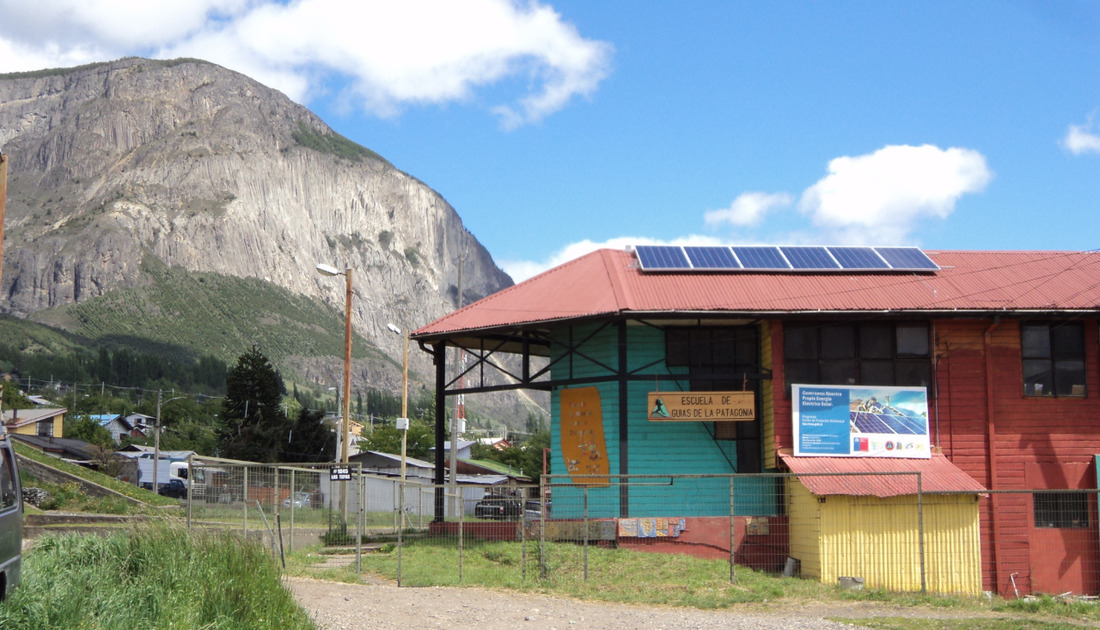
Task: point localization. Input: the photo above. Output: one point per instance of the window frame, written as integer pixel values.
(868, 363)
(1061, 509)
(698, 349)
(1054, 357)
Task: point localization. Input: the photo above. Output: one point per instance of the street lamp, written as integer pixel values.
(328, 270)
(403, 421)
(156, 442)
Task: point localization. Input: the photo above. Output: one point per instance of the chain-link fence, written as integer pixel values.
(878, 531)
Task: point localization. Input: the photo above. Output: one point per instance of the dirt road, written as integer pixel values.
(383, 606)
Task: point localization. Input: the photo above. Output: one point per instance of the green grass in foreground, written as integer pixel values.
(151, 577)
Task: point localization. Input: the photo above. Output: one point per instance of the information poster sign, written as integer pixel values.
(860, 421)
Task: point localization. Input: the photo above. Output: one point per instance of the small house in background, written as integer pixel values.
(116, 425)
(498, 443)
(45, 422)
(73, 451)
(143, 424)
(463, 449)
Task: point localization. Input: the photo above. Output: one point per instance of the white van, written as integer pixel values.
(11, 518)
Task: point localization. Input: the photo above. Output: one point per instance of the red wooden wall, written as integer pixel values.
(1053, 438)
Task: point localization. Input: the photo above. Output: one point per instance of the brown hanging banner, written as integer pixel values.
(701, 406)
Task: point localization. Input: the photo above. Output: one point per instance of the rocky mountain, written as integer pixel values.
(191, 166)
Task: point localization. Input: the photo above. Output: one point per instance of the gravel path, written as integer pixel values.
(383, 606)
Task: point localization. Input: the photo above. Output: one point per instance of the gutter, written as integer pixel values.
(991, 447)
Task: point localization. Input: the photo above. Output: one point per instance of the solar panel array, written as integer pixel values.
(867, 422)
(783, 258)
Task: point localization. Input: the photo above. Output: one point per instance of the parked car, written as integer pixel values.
(532, 510)
(299, 500)
(11, 518)
(175, 488)
(498, 508)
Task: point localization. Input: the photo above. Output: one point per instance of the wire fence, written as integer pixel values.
(868, 530)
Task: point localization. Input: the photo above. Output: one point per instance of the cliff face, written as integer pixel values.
(207, 170)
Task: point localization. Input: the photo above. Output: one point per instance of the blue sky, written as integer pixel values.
(557, 127)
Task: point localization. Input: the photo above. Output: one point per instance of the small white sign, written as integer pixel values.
(339, 473)
(402, 424)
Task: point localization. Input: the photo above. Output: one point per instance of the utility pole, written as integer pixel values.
(460, 407)
(156, 448)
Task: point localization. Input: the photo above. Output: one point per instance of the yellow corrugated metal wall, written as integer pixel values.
(877, 539)
(767, 403)
(805, 528)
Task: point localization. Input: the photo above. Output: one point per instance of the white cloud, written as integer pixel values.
(880, 198)
(1082, 139)
(392, 54)
(521, 270)
(874, 199)
(748, 209)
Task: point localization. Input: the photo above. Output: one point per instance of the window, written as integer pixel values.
(45, 428)
(722, 359)
(864, 353)
(8, 497)
(1053, 359)
(1067, 509)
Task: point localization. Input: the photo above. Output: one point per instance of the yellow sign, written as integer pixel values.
(582, 441)
(701, 406)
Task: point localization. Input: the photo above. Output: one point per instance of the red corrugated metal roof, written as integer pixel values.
(609, 282)
(937, 474)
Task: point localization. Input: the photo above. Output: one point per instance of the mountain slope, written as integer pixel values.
(205, 170)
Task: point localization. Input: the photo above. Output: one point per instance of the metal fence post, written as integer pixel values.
(461, 525)
(190, 476)
(542, 527)
(400, 530)
(733, 575)
(244, 502)
(362, 499)
(586, 533)
(292, 491)
(920, 532)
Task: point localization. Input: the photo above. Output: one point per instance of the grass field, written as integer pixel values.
(151, 577)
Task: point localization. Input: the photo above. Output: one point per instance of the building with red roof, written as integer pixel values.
(978, 372)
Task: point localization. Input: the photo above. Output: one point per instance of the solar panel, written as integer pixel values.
(809, 258)
(711, 258)
(869, 423)
(907, 259)
(858, 258)
(654, 257)
(761, 258)
(787, 258)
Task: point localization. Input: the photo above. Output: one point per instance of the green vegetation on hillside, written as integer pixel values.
(96, 477)
(196, 314)
(333, 143)
(32, 350)
(151, 577)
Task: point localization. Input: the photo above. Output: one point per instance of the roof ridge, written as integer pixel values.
(623, 295)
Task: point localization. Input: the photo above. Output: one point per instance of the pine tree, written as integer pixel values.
(254, 427)
(311, 440)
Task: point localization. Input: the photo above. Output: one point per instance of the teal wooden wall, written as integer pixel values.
(654, 448)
